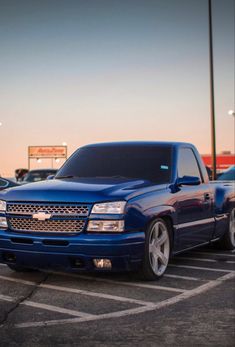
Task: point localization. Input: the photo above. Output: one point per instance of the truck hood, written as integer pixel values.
(84, 190)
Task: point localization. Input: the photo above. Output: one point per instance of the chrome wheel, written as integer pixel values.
(159, 248)
(232, 227)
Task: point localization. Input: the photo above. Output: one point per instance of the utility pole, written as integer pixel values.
(212, 97)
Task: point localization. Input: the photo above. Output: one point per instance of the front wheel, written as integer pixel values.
(227, 242)
(157, 250)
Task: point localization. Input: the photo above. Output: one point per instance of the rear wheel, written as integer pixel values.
(227, 242)
(157, 250)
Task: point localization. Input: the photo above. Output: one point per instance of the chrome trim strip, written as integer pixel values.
(195, 223)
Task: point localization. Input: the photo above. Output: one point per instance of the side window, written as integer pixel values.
(187, 163)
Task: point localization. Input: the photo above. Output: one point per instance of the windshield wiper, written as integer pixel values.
(117, 176)
(68, 176)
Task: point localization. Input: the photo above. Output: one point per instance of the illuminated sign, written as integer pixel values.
(47, 152)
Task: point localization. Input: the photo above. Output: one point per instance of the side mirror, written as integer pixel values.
(50, 177)
(188, 181)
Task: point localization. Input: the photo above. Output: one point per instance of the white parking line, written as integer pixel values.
(187, 278)
(205, 259)
(123, 283)
(57, 309)
(120, 282)
(18, 280)
(201, 268)
(215, 254)
(79, 291)
(7, 298)
(183, 296)
(95, 294)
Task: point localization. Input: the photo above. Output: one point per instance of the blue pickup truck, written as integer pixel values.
(117, 206)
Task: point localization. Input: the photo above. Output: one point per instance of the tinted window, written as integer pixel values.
(152, 163)
(187, 163)
(3, 183)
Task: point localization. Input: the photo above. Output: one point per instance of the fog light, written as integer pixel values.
(3, 223)
(102, 263)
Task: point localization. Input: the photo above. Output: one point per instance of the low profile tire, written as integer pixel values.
(18, 268)
(157, 250)
(227, 242)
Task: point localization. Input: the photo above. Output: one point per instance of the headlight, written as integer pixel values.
(116, 207)
(3, 223)
(106, 226)
(3, 206)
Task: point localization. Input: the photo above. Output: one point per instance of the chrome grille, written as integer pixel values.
(31, 225)
(54, 209)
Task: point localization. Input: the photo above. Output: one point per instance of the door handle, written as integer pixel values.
(207, 196)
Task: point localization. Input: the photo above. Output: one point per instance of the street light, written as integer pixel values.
(0, 124)
(231, 113)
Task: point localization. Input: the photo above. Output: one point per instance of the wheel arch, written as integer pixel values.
(167, 215)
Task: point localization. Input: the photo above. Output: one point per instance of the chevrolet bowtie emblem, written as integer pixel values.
(41, 216)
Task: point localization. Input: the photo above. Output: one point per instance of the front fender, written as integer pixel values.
(138, 218)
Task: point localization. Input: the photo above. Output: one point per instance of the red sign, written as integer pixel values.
(223, 161)
(47, 152)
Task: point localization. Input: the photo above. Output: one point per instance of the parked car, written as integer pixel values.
(117, 206)
(6, 183)
(38, 175)
(228, 175)
(20, 173)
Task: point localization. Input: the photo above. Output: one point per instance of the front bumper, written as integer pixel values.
(73, 252)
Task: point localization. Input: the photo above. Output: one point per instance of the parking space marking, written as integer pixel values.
(51, 308)
(187, 278)
(165, 275)
(201, 268)
(116, 281)
(18, 280)
(215, 254)
(132, 284)
(7, 298)
(57, 309)
(180, 297)
(79, 291)
(205, 259)
(97, 295)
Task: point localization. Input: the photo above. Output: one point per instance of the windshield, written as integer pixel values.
(147, 162)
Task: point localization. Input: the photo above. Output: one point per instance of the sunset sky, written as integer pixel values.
(84, 71)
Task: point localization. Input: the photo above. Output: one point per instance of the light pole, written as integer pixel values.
(212, 98)
(232, 113)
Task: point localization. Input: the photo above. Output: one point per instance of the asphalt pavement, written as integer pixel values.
(192, 305)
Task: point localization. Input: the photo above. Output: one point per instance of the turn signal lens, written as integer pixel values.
(3, 206)
(106, 226)
(3, 223)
